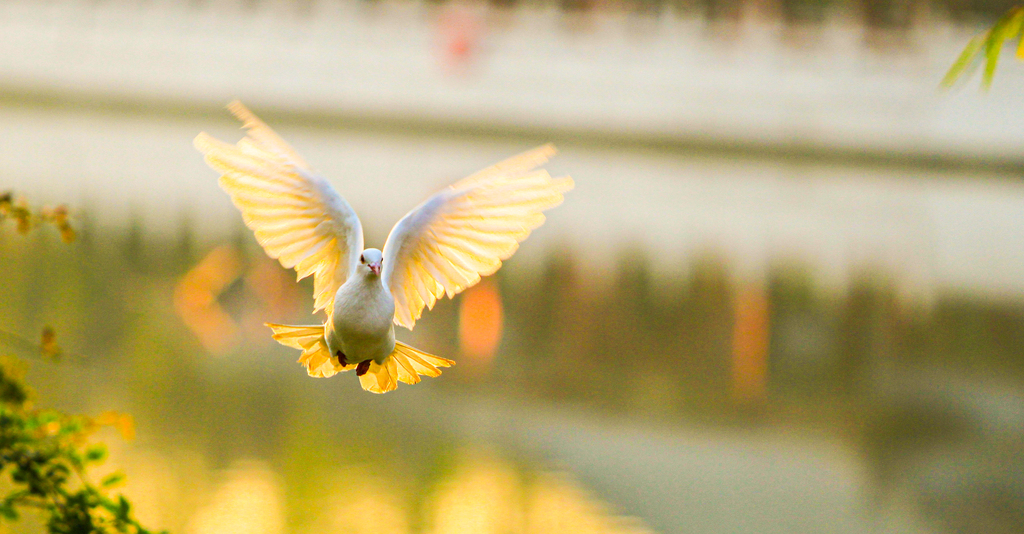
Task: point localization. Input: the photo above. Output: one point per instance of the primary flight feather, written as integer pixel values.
(441, 247)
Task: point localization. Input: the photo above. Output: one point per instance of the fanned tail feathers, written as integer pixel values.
(405, 364)
(316, 358)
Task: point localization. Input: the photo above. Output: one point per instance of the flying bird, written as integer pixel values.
(441, 247)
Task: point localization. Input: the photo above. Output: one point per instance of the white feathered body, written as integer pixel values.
(362, 325)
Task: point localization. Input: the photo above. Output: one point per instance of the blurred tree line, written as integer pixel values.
(635, 344)
(641, 338)
(639, 342)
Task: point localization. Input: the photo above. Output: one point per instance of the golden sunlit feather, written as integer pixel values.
(296, 216)
(465, 231)
(310, 340)
(404, 365)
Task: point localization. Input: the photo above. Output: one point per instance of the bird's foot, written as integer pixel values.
(341, 358)
(363, 367)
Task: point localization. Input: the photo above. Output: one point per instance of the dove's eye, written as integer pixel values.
(362, 259)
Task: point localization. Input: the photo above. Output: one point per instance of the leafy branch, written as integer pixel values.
(25, 218)
(985, 48)
(46, 454)
(45, 349)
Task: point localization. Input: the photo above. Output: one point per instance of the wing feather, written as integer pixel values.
(262, 137)
(297, 217)
(447, 243)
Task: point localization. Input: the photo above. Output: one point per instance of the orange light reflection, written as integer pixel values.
(195, 299)
(750, 345)
(480, 324)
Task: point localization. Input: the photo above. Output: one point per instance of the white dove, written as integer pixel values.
(443, 246)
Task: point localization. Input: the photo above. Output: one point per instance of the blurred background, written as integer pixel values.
(786, 295)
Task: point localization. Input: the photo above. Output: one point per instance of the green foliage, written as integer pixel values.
(45, 455)
(985, 49)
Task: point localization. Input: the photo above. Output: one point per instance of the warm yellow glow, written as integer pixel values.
(557, 506)
(161, 485)
(480, 324)
(750, 345)
(248, 501)
(361, 504)
(483, 496)
(123, 422)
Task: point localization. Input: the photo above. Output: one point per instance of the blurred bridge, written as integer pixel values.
(759, 136)
(802, 80)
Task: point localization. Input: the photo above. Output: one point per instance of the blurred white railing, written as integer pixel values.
(631, 79)
(669, 78)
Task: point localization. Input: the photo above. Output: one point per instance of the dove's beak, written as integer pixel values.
(375, 267)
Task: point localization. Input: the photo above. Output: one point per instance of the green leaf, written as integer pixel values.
(991, 59)
(112, 479)
(8, 512)
(95, 453)
(1005, 29)
(993, 45)
(123, 508)
(1015, 21)
(965, 60)
(989, 45)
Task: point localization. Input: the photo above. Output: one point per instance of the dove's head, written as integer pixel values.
(372, 259)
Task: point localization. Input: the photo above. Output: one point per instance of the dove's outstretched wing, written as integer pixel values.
(463, 232)
(296, 215)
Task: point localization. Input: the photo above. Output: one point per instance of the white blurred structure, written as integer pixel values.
(666, 77)
(682, 135)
